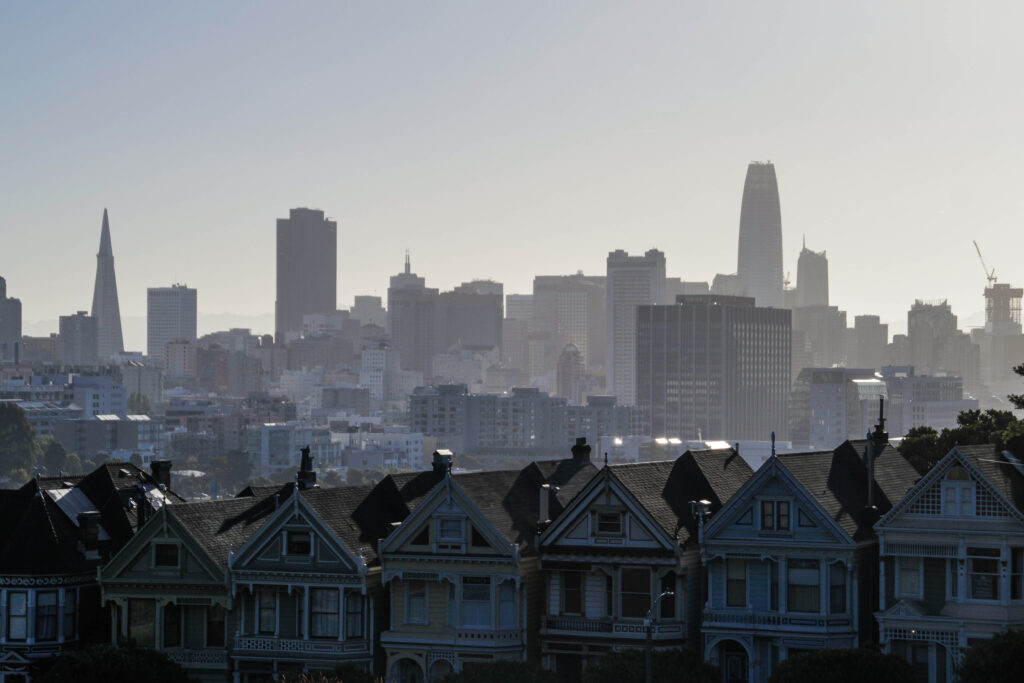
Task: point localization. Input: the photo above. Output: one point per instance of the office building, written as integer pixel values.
(714, 367)
(307, 269)
(369, 310)
(571, 309)
(760, 245)
(570, 374)
(170, 316)
(922, 401)
(10, 325)
(632, 281)
(412, 315)
(824, 329)
(470, 316)
(870, 340)
(77, 343)
(519, 307)
(938, 347)
(811, 278)
(105, 308)
(831, 405)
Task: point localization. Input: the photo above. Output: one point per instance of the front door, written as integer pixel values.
(735, 665)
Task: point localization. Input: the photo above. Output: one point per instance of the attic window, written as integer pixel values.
(609, 523)
(165, 555)
(299, 543)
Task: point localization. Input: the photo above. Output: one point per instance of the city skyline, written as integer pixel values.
(446, 159)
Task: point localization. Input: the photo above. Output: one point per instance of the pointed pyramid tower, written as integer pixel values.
(105, 308)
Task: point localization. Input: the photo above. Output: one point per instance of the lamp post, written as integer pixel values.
(649, 625)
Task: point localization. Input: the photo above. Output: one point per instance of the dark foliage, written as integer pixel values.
(105, 663)
(843, 666)
(923, 446)
(668, 666)
(999, 660)
(502, 672)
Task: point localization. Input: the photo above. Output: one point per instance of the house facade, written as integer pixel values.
(952, 560)
(791, 559)
(627, 544)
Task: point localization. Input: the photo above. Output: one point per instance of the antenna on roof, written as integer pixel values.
(773, 444)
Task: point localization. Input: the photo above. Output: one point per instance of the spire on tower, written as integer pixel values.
(406, 261)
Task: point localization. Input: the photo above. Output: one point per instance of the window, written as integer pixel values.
(215, 626)
(46, 615)
(267, 599)
(572, 593)
(449, 530)
(353, 615)
(142, 622)
(837, 588)
(323, 613)
(17, 615)
(908, 577)
(609, 600)
(958, 493)
(802, 589)
(165, 555)
(736, 583)
(70, 613)
(416, 603)
(299, 543)
(636, 592)
(507, 605)
(476, 601)
(172, 625)
(668, 603)
(609, 523)
(1016, 573)
(983, 573)
(775, 515)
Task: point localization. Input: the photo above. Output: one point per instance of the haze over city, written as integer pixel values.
(506, 141)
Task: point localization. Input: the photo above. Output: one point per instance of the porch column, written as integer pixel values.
(783, 584)
(342, 612)
(241, 613)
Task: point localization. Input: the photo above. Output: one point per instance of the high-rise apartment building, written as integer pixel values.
(307, 269)
(170, 315)
(77, 342)
(811, 278)
(412, 314)
(760, 245)
(714, 367)
(10, 325)
(631, 282)
(106, 311)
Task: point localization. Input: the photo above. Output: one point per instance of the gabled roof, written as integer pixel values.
(837, 481)
(38, 537)
(665, 488)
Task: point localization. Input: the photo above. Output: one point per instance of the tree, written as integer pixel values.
(843, 666)
(343, 673)
(105, 662)
(18, 449)
(923, 447)
(920, 446)
(502, 672)
(54, 455)
(996, 660)
(668, 666)
(138, 404)
(1017, 399)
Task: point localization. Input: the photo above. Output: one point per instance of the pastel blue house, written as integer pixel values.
(953, 560)
(791, 558)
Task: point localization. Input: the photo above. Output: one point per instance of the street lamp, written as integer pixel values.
(649, 626)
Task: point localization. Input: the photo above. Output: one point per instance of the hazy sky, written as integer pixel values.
(506, 140)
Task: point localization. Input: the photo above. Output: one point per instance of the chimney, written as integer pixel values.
(306, 476)
(89, 533)
(442, 461)
(879, 438)
(161, 472)
(545, 505)
(581, 451)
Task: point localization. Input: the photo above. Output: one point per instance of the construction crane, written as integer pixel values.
(990, 274)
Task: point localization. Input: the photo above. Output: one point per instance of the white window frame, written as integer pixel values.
(176, 544)
(901, 570)
(409, 619)
(287, 541)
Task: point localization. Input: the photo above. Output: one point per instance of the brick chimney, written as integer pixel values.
(307, 475)
(581, 451)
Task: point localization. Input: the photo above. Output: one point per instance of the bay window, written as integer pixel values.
(172, 625)
(837, 588)
(46, 615)
(142, 622)
(983, 573)
(803, 590)
(353, 615)
(572, 593)
(17, 615)
(476, 601)
(323, 612)
(635, 592)
(416, 603)
(908, 577)
(507, 604)
(736, 583)
(70, 613)
(267, 610)
(215, 626)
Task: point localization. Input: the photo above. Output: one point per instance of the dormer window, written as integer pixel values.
(450, 534)
(165, 555)
(608, 524)
(299, 543)
(774, 515)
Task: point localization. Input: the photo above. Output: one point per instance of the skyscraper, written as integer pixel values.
(10, 325)
(760, 246)
(714, 367)
(632, 281)
(77, 342)
(811, 278)
(307, 269)
(412, 313)
(170, 315)
(105, 309)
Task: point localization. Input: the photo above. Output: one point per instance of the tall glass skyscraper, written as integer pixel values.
(760, 248)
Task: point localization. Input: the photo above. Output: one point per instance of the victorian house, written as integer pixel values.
(953, 560)
(792, 558)
(625, 547)
(461, 569)
(54, 534)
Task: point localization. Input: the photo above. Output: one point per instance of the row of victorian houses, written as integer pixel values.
(557, 563)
